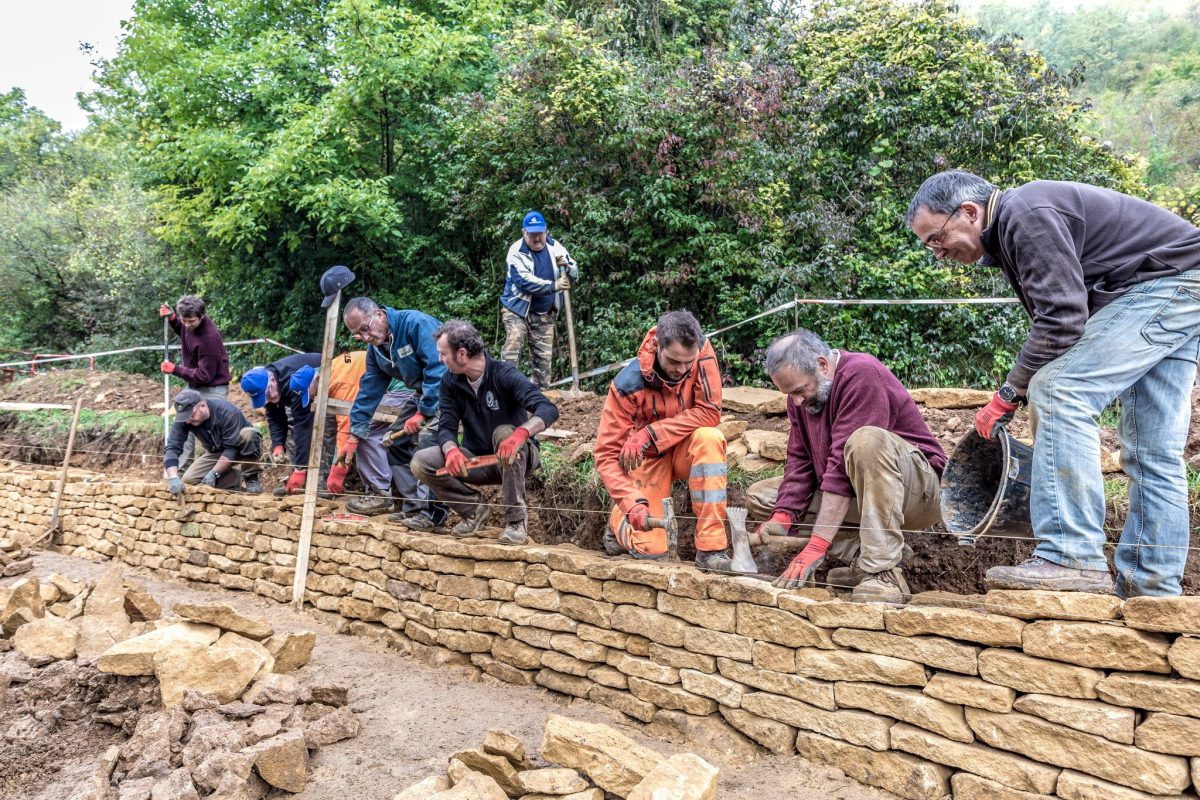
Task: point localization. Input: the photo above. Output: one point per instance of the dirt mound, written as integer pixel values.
(101, 390)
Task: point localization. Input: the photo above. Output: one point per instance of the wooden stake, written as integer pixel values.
(314, 453)
(62, 478)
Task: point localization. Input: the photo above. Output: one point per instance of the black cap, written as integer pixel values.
(185, 402)
(335, 278)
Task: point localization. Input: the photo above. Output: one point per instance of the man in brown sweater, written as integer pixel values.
(1112, 284)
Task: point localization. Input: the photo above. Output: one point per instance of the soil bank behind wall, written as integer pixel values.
(923, 701)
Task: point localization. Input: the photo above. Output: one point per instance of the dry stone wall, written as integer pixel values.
(1012, 696)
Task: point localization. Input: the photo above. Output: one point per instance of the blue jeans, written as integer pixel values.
(1142, 347)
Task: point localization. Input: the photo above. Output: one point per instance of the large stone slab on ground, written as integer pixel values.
(25, 593)
(425, 789)
(1094, 644)
(500, 742)
(1038, 675)
(223, 672)
(906, 775)
(499, 768)
(291, 650)
(253, 649)
(1151, 692)
(1039, 604)
(107, 598)
(613, 761)
(474, 786)
(951, 398)
(957, 623)
(1078, 786)
(49, 637)
(753, 399)
(686, 776)
(1003, 767)
(136, 656)
(1090, 716)
(225, 617)
(1072, 749)
(964, 691)
(282, 761)
(552, 780)
(1169, 614)
(909, 705)
(98, 634)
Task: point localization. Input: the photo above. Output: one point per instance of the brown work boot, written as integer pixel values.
(844, 578)
(470, 525)
(1038, 573)
(888, 586)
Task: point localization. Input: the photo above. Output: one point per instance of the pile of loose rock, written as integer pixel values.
(15, 558)
(593, 759)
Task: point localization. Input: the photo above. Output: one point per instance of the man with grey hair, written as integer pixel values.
(862, 467)
(203, 361)
(1112, 284)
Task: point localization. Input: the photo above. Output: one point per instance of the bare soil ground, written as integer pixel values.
(413, 717)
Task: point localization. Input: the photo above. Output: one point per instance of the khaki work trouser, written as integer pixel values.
(895, 490)
(246, 461)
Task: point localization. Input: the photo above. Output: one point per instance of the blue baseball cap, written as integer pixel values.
(254, 383)
(301, 381)
(534, 222)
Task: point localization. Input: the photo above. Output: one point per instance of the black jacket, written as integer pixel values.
(302, 416)
(506, 397)
(219, 433)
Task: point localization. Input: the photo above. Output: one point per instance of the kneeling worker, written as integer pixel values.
(501, 412)
(270, 388)
(859, 452)
(659, 424)
(232, 446)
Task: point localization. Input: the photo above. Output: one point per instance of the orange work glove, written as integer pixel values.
(336, 482)
(167, 367)
(506, 453)
(164, 310)
(639, 517)
(778, 525)
(996, 412)
(277, 454)
(801, 570)
(632, 454)
(346, 454)
(456, 463)
(413, 424)
(295, 481)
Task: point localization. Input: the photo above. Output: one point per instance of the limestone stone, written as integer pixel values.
(686, 776)
(273, 687)
(177, 786)
(715, 643)
(25, 593)
(582, 649)
(562, 682)
(951, 398)
(856, 727)
(642, 667)
(732, 427)
(964, 691)
(1078, 786)
(972, 787)
(141, 607)
(50, 637)
(1184, 657)
(136, 656)
(753, 399)
(1014, 771)
(909, 705)
(743, 590)
(705, 613)
(1072, 749)
(98, 634)
(547, 599)
(774, 657)
(253, 650)
(948, 600)
(1169, 733)
(955, 623)
(608, 676)
(498, 768)
(629, 594)
(1038, 675)
(329, 694)
(1090, 716)
(222, 672)
(838, 614)
(844, 665)
(67, 587)
(806, 690)
(624, 702)
(613, 761)
(282, 761)
(671, 697)
(225, 617)
(291, 650)
(900, 773)
(425, 789)
(552, 780)
(654, 625)
(1151, 692)
(710, 734)
(724, 691)
(1170, 614)
(768, 444)
(932, 650)
(517, 654)
(592, 793)
(682, 659)
(473, 786)
(1039, 604)
(780, 627)
(499, 742)
(582, 609)
(107, 598)
(561, 662)
(776, 736)
(1093, 644)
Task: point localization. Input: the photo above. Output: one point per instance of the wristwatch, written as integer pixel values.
(1009, 394)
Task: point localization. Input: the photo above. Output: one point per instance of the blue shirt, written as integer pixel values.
(543, 267)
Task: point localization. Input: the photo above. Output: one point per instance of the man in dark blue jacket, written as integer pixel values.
(270, 389)
(501, 412)
(231, 445)
(400, 346)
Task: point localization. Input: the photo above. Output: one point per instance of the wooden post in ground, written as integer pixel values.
(314, 453)
(62, 478)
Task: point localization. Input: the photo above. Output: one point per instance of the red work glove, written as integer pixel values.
(639, 517)
(295, 481)
(164, 310)
(996, 412)
(413, 423)
(167, 367)
(778, 525)
(804, 565)
(456, 463)
(336, 482)
(506, 453)
(346, 455)
(635, 446)
(277, 454)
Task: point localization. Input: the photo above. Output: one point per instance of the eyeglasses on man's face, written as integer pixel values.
(934, 242)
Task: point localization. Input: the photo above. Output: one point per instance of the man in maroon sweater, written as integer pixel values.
(203, 362)
(862, 467)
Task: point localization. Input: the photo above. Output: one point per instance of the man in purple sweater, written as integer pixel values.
(203, 362)
(862, 467)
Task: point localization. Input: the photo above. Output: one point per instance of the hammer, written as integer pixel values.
(668, 523)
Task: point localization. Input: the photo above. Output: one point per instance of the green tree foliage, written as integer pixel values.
(716, 155)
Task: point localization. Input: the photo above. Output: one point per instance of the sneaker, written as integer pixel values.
(370, 505)
(1038, 573)
(253, 486)
(470, 526)
(713, 561)
(514, 533)
(888, 586)
(415, 522)
(611, 546)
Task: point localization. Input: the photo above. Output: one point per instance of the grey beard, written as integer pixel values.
(824, 385)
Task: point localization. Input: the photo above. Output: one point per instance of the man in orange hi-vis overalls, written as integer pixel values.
(659, 424)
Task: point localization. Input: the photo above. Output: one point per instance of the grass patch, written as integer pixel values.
(55, 422)
(1111, 416)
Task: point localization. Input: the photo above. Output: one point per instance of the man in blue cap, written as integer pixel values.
(539, 270)
(270, 389)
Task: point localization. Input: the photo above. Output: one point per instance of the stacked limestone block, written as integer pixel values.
(1026, 695)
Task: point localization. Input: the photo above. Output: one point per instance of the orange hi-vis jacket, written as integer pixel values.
(640, 398)
(345, 373)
